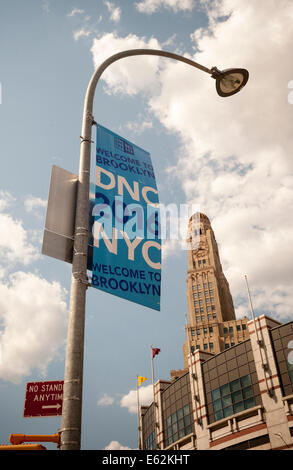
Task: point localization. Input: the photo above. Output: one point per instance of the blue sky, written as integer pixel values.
(231, 158)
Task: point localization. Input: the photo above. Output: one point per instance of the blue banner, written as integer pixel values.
(126, 243)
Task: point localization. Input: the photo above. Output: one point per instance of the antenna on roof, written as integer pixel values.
(259, 342)
(249, 297)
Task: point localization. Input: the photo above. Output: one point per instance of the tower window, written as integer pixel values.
(243, 327)
(211, 345)
(210, 329)
(198, 332)
(210, 284)
(230, 329)
(195, 303)
(238, 327)
(213, 307)
(201, 310)
(225, 330)
(205, 346)
(203, 261)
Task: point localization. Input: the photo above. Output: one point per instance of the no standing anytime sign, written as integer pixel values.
(43, 399)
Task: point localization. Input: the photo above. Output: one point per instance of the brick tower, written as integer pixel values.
(212, 325)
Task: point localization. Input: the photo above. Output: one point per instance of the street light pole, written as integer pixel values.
(227, 82)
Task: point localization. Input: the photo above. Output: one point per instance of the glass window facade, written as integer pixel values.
(177, 410)
(290, 368)
(282, 338)
(233, 397)
(178, 424)
(150, 442)
(225, 380)
(149, 436)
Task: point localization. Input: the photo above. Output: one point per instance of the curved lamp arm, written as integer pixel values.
(89, 99)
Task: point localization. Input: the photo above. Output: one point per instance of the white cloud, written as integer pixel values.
(105, 400)
(15, 246)
(139, 126)
(243, 183)
(115, 12)
(33, 323)
(81, 33)
(33, 312)
(76, 11)
(129, 75)
(115, 445)
(6, 200)
(46, 6)
(129, 401)
(35, 205)
(235, 155)
(151, 6)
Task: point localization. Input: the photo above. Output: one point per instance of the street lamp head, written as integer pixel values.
(229, 81)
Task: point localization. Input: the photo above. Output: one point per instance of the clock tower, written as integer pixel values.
(212, 325)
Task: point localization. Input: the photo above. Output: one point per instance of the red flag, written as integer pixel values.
(155, 351)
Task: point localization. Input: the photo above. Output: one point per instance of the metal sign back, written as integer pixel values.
(60, 217)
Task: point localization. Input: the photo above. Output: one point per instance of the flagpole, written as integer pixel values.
(138, 416)
(190, 364)
(152, 362)
(187, 335)
(153, 382)
(258, 340)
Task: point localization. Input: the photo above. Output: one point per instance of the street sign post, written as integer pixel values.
(43, 399)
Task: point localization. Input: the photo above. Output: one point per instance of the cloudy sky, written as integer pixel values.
(231, 158)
